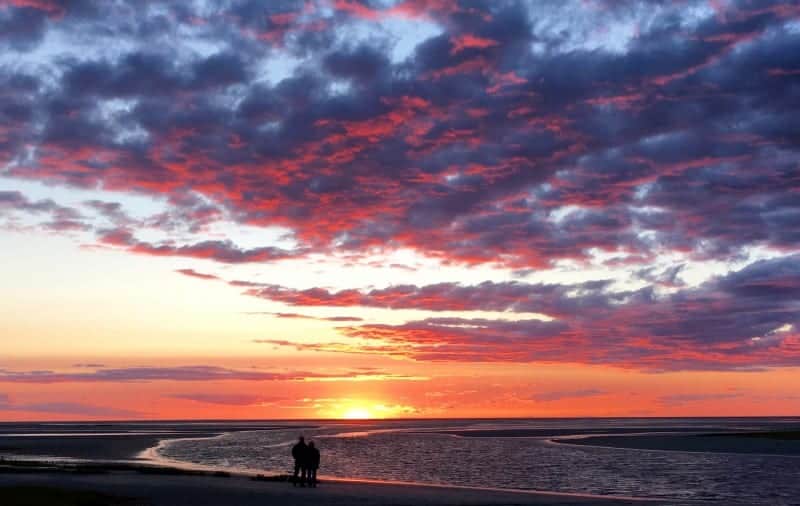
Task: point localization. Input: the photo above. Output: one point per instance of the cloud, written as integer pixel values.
(220, 251)
(567, 394)
(189, 373)
(746, 320)
(463, 150)
(227, 399)
(300, 316)
(681, 399)
(194, 274)
(553, 299)
(112, 211)
(72, 408)
(66, 408)
(58, 218)
(492, 133)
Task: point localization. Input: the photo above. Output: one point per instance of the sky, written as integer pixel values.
(378, 208)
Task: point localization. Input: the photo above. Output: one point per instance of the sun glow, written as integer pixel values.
(357, 413)
(355, 409)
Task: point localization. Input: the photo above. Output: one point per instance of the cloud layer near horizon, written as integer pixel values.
(191, 373)
(747, 319)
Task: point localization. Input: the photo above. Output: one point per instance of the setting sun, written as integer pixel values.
(357, 413)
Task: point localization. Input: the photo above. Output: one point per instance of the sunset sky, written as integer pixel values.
(367, 208)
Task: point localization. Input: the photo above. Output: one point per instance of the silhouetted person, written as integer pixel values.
(300, 454)
(313, 464)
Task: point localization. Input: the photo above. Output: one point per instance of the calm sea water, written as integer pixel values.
(483, 454)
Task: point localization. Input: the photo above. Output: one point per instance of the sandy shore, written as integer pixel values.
(786, 443)
(552, 432)
(135, 488)
(112, 470)
(108, 473)
(111, 441)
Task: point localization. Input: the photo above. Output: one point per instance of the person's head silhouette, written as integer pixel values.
(301, 439)
(311, 444)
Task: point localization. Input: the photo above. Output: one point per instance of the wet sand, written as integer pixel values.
(138, 482)
(785, 443)
(554, 432)
(108, 441)
(102, 481)
(97, 447)
(133, 488)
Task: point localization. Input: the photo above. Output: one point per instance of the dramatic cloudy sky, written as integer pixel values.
(408, 208)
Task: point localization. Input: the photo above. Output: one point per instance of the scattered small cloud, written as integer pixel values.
(681, 399)
(567, 394)
(66, 408)
(228, 399)
(194, 274)
(193, 373)
(300, 316)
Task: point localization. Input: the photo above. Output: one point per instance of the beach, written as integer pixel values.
(414, 462)
(111, 441)
(112, 465)
(138, 488)
(767, 443)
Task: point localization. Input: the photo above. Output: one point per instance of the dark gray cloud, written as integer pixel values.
(221, 251)
(681, 399)
(567, 394)
(57, 218)
(227, 399)
(65, 408)
(22, 28)
(552, 299)
(300, 316)
(178, 373)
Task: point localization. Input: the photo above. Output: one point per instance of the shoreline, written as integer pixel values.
(162, 485)
(109, 441)
(732, 443)
(148, 462)
(170, 467)
(100, 457)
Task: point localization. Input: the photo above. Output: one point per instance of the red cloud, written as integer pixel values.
(469, 41)
(188, 373)
(406, 8)
(356, 8)
(194, 274)
(52, 8)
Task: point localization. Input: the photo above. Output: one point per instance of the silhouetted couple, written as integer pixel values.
(306, 463)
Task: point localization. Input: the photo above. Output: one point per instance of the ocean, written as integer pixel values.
(720, 460)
